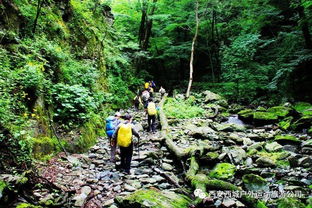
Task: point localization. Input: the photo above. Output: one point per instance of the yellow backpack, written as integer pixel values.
(146, 85)
(151, 109)
(124, 135)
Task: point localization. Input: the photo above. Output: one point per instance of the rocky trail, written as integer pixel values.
(96, 181)
(261, 162)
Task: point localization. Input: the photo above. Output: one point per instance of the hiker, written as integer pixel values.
(152, 85)
(145, 97)
(151, 91)
(112, 123)
(137, 101)
(151, 115)
(162, 91)
(123, 136)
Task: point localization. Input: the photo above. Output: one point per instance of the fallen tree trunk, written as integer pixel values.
(172, 181)
(200, 182)
(178, 152)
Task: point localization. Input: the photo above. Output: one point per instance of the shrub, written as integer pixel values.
(178, 108)
(72, 103)
(79, 72)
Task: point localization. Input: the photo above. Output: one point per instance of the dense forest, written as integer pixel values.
(66, 65)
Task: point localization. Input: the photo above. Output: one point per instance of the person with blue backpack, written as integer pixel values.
(112, 122)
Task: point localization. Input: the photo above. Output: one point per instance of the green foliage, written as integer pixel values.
(73, 70)
(17, 151)
(251, 47)
(30, 76)
(239, 67)
(72, 103)
(83, 73)
(178, 108)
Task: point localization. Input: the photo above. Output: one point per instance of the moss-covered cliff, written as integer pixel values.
(62, 71)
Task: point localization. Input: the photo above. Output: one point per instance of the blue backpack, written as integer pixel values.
(110, 126)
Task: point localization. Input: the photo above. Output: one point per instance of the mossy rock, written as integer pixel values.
(245, 111)
(225, 114)
(257, 117)
(274, 156)
(85, 139)
(223, 171)
(252, 152)
(285, 123)
(265, 162)
(245, 115)
(302, 106)
(43, 146)
(264, 117)
(214, 106)
(283, 163)
(284, 139)
(211, 96)
(254, 182)
(222, 102)
(26, 205)
(211, 156)
(152, 198)
(289, 203)
(252, 202)
(304, 122)
(260, 108)
(229, 127)
(280, 111)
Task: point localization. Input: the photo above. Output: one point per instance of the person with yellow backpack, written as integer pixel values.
(151, 115)
(123, 136)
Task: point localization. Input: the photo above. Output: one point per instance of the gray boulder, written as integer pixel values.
(265, 162)
(273, 147)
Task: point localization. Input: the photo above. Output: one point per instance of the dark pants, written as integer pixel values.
(136, 105)
(125, 157)
(151, 122)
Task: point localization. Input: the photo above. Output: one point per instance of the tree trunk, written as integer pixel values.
(143, 22)
(192, 51)
(145, 30)
(146, 24)
(148, 29)
(305, 27)
(39, 6)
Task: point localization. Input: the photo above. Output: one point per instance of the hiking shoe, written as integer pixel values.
(118, 167)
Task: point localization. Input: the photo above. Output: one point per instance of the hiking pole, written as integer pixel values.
(139, 148)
